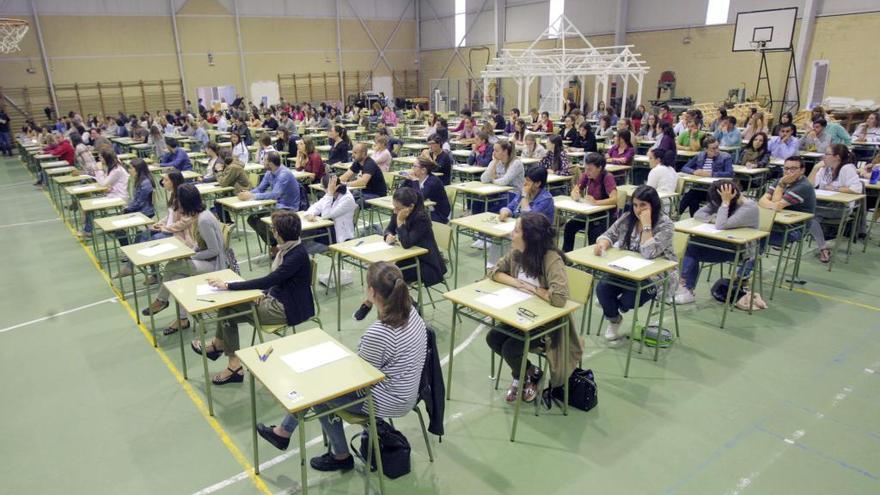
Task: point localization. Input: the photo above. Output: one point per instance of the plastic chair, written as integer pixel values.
(451, 194)
(280, 329)
(580, 284)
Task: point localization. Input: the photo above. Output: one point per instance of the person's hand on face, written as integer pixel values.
(727, 192)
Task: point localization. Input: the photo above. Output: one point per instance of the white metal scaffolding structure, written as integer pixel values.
(566, 63)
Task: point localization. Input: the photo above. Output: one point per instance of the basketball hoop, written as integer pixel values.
(11, 33)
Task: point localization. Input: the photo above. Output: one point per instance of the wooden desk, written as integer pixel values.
(471, 302)
(479, 227)
(203, 309)
(655, 275)
(460, 155)
(755, 179)
(145, 255)
(843, 202)
(482, 192)
(467, 173)
(789, 222)
(559, 183)
(733, 241)
(358, 252)
(125, 224)
(385, 204)
(569, 209)
(298, 392)
(321, 227)
(239, 210)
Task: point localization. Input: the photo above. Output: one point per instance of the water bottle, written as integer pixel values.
(875, 174)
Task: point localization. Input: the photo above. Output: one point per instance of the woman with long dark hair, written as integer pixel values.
(556, 159)
(645, 230)
(534, 265)
(836, 172)
(756, 154)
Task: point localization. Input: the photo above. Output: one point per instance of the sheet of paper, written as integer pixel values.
(507, 226)
(708, 228)
(630, 263)
(823, 192)
(574, 205)
(372, 247)
(125, 222)
(707, 180)
(503, 298)
(245, 204)
(205, 289)
(156, 250)
(314, 357)
(82, 188)
(105, 201)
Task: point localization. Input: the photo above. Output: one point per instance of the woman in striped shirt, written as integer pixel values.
(395, 344)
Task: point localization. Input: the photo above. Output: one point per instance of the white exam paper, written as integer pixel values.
(372, 247)
(313, 357)
(153, 251)
(708, 228)
(103, 201)
(125, 222)
(629, 263)
(823, 192)
(82, 188)
(245, 204)
(507, 226)
(503, 298)
(205, 289)
(574, 205)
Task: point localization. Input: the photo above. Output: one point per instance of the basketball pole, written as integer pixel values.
(49, 83)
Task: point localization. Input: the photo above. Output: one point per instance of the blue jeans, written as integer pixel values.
(331, 424)
(616, 300)
(690, 264)
(6, 143)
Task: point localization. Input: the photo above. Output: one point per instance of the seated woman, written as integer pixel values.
(287, 299)
(115, 180)
(411, 226)
(726, 209)
(556, 159)
(381, 155)
(142, 201)
(215, 163)
(531, 148)
(622, 151)
(756, 154)
(396, 345)
(337, 205)
(646, 230)
(430, 187)
(595, 187)
(481, 151)
(309, 160)
(835, 172)
(534, 265)
(604, 131)
(568, 131)
(586, 140)
(210, 252)
(518, 136)
(662, 176)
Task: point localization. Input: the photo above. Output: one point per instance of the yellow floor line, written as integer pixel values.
(836, 299)
(190, 392)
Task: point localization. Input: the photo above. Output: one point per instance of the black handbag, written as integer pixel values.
(582, 391)
(393, 447)
(720, 288)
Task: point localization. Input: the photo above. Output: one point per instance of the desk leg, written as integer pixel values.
(779, 261)
(180, 336)
(451, 353)
(375, 440)
(632, 332)
(455, 245)
(589, 311)
(247, 246)
(303, 471)
(419, 281)
(338, 292)
(797, 260)
(729, 305)
(840, 226)
(254, 425)
(565, 344)
(200, 327)
(522, 382)
(662, 303)
(871, 225)
(137, 309)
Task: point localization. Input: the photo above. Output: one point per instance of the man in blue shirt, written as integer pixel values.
(709, 163)
(533, 197)
(176, 156)
(278, 184)
(785, 144)
(727, 134)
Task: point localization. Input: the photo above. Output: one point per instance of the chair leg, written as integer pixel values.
(424, 432)
(497, 370)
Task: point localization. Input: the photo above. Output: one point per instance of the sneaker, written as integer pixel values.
(362, 312)
(329, 462)
(479, 244)
(612, 331)
(124, 271)
(685, 297)
(268, 434)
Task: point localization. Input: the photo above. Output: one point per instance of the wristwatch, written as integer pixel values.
(646, 229)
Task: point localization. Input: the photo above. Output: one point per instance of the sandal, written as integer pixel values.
(825, 255)
(511, 393)
(212, 355)
(235, 377)
(533, 378)
(169, 330)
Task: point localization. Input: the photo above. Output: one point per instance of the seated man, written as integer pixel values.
(176, 156)
(793, 191)
(278, 184)
(710, 163)
(818, 139)
(431, 188)
(785, 144)
(365, 174)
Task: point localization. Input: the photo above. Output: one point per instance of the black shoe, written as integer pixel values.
(268, 435)
(235, 377)
(212, 355)
(155, 307)
(362, 312)
(328, 462)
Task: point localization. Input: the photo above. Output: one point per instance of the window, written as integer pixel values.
(557, 8)
(460, 25)
(716, 12)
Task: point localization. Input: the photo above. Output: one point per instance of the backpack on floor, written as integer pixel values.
(582, 391)
(393, 447)
(720, 288)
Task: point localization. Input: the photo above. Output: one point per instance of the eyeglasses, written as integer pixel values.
(525, 313)
(791, 169)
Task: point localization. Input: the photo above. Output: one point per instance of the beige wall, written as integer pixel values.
(706, 68)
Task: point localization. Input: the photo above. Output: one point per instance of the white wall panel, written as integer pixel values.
(527, 21)
(593, 17)
(434, 36)
(645, 15)
(483, 30)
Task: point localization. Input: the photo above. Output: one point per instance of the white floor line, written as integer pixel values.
(287, 455)
(66, 312)
(14, 184)
(20, 224)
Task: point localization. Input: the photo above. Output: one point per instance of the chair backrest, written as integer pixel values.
(451, 194)
(254, 179)
(389, 180)
(679, 244)
(621, 199)
(443, 236)
(579, 283)
(679, 187)
(225, 231)
(355, 217)
(765, 224)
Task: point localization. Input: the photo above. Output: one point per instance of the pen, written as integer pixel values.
(264, 357)
(359, 243)
(206, 300)
(481, 291)
(154, 245)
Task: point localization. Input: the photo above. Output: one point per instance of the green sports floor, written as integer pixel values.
(784, 401)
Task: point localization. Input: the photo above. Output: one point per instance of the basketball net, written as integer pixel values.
(11, 33)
